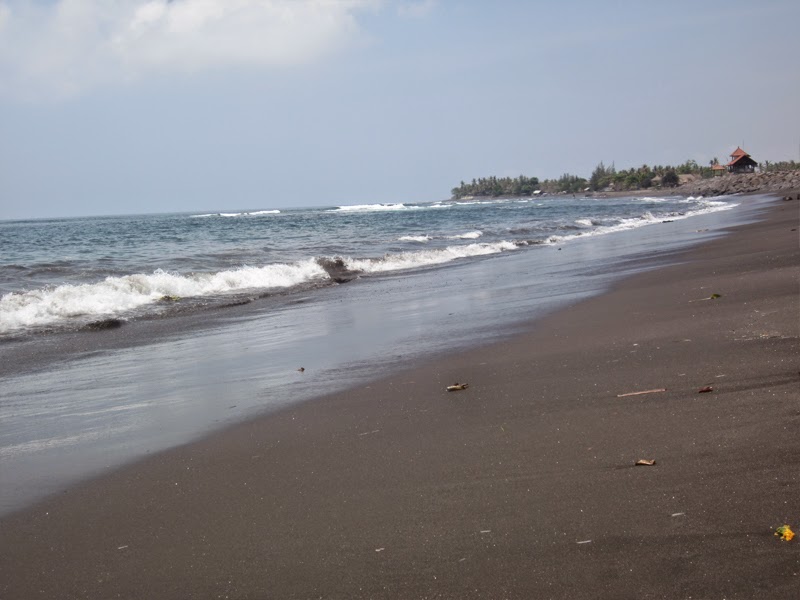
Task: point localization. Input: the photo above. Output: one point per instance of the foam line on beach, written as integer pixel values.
(643, 220)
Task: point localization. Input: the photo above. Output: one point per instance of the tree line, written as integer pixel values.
(602, 178)
(497, 186)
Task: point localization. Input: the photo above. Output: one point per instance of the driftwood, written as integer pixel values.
(457, 386)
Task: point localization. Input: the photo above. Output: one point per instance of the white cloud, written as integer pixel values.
(62, 48)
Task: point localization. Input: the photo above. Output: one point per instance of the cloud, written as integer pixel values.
(64, 47)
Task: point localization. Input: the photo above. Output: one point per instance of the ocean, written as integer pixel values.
(126, 335)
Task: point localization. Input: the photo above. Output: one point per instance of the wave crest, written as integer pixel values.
(117, 295)
(424, 258)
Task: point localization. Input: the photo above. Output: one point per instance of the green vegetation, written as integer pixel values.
(645, 177)
(774, 167)
(670, 179)
(497, 186)
(566, 184)
(603, 178)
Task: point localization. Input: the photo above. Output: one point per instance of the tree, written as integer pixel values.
(601, 177)
(497, 186)
(670, 179)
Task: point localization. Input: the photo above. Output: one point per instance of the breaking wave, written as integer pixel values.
(116, 295)
(256, 213)
(471, 235)
(354, 208)
(425, 258)
(108, 301)
(646, 218)
(414, 238)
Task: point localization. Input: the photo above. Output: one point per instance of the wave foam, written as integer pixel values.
(646, 218)
(256, 213)
(414, 238)
(116, 295)
(425, 258)
(369, 208)
(385, 207)
(471, 235)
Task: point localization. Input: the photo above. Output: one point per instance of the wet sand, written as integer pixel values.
(521, 486)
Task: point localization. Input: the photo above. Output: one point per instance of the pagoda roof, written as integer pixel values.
(738, 153)
(742, 158)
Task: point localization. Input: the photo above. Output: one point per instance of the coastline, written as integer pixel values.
(399, 489)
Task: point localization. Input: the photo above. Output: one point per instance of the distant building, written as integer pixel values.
(741, 162)
(718, 169)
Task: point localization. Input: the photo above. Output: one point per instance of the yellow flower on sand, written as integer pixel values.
(785, 533)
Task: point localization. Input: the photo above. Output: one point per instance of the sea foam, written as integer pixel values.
(425, 258)
(256, 213)
(470, 235)
(414, 238)
(646, 218)
(116, 295)
(360, 208)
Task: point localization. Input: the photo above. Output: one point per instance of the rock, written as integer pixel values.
(104, 324)
(744, 183)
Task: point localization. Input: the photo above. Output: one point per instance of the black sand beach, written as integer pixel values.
(521, 486)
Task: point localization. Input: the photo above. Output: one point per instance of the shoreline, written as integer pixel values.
(399, 489)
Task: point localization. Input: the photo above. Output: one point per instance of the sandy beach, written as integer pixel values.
(522, 486)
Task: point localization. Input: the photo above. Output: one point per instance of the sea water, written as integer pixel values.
(121, 336)
(61, 274)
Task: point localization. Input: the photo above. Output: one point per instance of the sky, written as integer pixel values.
(139, 106)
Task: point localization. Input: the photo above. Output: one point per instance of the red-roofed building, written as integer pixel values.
(741, 162)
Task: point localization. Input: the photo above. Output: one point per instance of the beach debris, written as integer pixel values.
(785, 533)
(642, 392)
(121, 547)
(301, 369)
(711, 297)
(457, 387)
(169, 298)
(486, 531)
(584, 542)
(379, 549)
(645, 462)
(705, 390)
(677, 514)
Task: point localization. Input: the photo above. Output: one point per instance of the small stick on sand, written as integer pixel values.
(643, 392)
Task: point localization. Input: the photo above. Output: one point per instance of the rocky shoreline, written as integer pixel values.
(744, 183)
